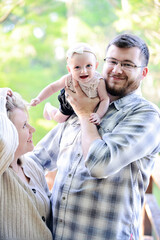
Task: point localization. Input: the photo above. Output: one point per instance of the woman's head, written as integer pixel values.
(17, 112)
(13, 102)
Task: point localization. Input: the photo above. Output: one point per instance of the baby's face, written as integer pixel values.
(82, 66)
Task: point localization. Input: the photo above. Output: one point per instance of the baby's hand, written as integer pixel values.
(35, 101)
(94, 118)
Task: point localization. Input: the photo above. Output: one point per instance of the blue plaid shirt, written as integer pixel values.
(101, 197)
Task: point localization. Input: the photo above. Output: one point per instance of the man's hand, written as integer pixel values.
(82, 105)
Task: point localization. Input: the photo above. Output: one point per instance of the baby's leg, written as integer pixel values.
(52, 113)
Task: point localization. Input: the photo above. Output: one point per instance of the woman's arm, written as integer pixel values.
(8, 134)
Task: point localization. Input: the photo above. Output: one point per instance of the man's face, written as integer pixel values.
(120, 80)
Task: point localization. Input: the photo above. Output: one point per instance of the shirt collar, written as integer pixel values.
(121, 102)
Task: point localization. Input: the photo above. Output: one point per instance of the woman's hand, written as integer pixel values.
(6, 91)
(82, 105)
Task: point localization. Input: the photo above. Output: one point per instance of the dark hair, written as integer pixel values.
(129, 41)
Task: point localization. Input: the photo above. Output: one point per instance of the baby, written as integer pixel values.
(81, 64)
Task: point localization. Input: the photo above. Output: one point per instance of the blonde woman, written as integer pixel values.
(24, 196)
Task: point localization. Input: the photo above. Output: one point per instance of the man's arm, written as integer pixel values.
(83, 107)
(135, 137)
(46, 152)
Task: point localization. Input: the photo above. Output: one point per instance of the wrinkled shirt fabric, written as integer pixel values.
(101, 197)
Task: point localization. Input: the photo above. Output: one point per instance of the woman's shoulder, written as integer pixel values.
(33, 170)
(29, 164)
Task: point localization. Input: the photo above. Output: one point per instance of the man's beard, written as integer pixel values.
(115, 92)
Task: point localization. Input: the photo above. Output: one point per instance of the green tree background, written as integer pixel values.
(35, 35)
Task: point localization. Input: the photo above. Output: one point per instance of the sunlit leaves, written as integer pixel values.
(34, 37)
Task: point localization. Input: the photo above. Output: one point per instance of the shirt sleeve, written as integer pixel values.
(8, 138)
(136, 137)
(45, 153)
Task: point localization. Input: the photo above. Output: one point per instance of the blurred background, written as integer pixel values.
(35, 35)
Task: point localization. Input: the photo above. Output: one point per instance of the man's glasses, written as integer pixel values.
(124, 64)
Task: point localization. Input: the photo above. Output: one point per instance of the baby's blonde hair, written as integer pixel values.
(79, 48)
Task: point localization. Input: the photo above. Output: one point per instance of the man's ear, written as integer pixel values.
(145, 71)
(68, 68)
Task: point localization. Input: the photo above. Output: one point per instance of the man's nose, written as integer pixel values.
(117, 68)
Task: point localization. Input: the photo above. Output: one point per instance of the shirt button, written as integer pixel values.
(43, 218)
(78, 154)
(34, 190)
(61, 220)
(64, 198)
(70, 175)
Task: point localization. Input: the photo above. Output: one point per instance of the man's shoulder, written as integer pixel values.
(143, 102)
(137, 101)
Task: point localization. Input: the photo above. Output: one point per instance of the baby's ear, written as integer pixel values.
(97, 63)
(68, 68)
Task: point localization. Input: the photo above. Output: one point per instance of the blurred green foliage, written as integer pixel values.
(35, 35)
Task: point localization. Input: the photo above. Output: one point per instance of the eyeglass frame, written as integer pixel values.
(121, 63)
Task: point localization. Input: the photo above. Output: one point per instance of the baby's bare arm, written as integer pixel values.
(104, 99)
(49, 90)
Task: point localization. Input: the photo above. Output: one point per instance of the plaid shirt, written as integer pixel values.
(101, 197)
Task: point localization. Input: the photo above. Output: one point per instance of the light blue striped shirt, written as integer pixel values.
(101, 197)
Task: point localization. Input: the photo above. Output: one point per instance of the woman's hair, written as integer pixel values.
(13, 102)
